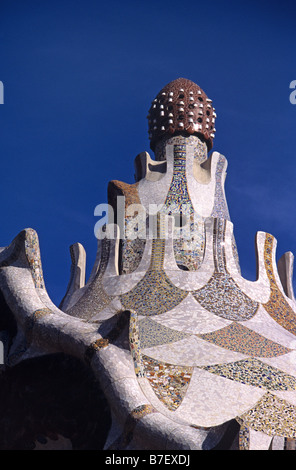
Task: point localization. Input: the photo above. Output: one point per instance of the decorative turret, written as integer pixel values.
(182, 107)
(189, 353)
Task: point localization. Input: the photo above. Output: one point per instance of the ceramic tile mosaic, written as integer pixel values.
(28, 240)
(33, 256)
(289, 396)
(153, 334)
(37, 314)
(131, 248)
(125, 438)
(212, 400)
(244, 436)
(134, 339)
(131, 254)
(141, 411)
(20, 347)
(178, 195)
(189, 251)
(235, 254)
(237, 337)
(273, 416)
(265, 325)
(286, 363)
(220, 209)
(41, 313)
(277, 306)
(193, 351)
(118, 324)
(156, 348)
(191, 318)
(155, 293)
(95, 298)
(12, 252)
(256, 373)
(200, 148)
(169, 382)
(260, 441)
(225, 299)
(110, 333)
(221, 295)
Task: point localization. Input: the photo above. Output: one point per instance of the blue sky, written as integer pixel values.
(79, 77)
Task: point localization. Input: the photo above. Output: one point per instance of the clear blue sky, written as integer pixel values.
(79, 77)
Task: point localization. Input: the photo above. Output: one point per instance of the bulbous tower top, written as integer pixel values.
(181, 107)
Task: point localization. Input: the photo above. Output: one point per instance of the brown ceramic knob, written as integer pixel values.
(182, 107)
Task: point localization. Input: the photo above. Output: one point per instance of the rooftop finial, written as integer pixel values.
(182, 106)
